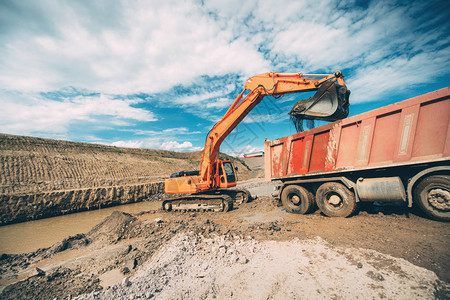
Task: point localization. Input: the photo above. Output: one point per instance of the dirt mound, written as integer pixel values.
(56, 285)
(193, 267)
(112, 229)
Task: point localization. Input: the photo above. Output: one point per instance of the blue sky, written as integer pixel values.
(159, 74)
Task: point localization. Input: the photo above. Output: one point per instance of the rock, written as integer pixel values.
(205, 266)
(158, 220)
(129, 249)
(131, 264)
(179, 228)
(233, 258)
(207, 221)
(126, 281)
(125, 270)
(360, 265)
(276, 228)
(58, 247)
(243, 260)
(39, 272)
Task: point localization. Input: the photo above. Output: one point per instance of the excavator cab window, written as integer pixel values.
(229, 171)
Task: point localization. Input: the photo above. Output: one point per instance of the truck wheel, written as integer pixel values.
(335, 200)
(432, 195)
(297, 199)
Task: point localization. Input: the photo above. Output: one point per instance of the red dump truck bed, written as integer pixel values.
(390, 150)
(410, 131)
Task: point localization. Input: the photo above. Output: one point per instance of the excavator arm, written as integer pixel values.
(333, 93)
(208, 186)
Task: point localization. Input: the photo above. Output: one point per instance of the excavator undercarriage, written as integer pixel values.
(217, 201)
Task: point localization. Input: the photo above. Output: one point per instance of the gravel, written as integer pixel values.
(191, 266)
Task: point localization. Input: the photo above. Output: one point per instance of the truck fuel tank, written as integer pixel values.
(384, 189)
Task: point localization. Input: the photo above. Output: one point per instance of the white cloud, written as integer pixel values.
(240, 151)
(266, 118)
(164, 132)
(220, 103)
(130, 144)
(158, 143)
(148, 50)
(29, 113)
(175, 146)
(194, 55)
(397, 75)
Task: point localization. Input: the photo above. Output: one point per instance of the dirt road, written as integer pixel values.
(258, 251)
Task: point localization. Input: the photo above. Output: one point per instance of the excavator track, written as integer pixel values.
(217, 201)
(199, 202)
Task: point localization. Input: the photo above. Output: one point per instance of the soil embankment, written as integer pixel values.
(19, 208)
(42, 177)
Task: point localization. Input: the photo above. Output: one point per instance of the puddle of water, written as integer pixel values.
(111, 278)
(266, 217)
(30, 236)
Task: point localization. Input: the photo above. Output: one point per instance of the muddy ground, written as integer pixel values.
(257, 250)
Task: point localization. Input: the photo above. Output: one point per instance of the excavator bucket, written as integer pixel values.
(330, 103)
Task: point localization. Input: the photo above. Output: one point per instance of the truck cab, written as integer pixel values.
(226, 176)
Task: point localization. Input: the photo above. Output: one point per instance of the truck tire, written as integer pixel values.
(296, 199)
(432, 195)
(336, 200)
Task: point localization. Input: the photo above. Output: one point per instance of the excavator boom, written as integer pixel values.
(278, 84)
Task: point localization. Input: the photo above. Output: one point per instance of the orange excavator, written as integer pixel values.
(208, 189)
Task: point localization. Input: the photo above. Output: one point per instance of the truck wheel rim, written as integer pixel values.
(439, 199)
(295, 199)
(334, 201)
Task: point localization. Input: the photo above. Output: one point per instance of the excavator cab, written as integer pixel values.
(330, 103)
(226, 176)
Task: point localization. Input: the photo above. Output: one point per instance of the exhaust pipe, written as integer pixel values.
(330, 103)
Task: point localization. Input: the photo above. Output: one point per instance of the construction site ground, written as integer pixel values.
(256, 251)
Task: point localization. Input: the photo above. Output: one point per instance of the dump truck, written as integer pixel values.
(396, 153)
